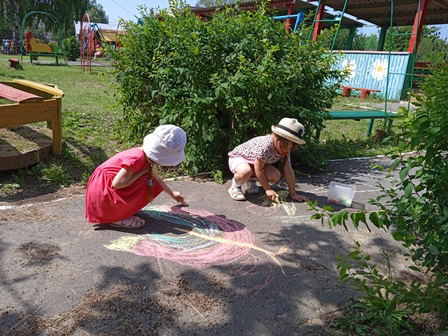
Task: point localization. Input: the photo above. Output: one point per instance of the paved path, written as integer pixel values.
(217, 267)
(61, 61)
(391, 106)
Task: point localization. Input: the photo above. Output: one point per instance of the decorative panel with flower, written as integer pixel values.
(369, 69)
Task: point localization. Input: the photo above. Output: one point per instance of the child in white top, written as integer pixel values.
(253, 160)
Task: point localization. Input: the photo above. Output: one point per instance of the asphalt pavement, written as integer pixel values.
(216, 267)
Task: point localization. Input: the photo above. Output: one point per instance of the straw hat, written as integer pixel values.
(290, 129)
(166, 145)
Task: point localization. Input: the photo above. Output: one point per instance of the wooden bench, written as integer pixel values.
(358, 115)
(421, 71)
(34, 102)
(13, 62)
(364, 92)
(55, 55)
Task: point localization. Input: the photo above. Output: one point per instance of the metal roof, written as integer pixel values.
(378, 11)
(280, 5)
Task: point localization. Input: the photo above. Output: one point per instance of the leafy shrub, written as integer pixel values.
(415, 211)
(224, 81)
(70, 48)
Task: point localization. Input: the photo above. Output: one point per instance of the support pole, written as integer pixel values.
(418, 25)
(291, 8)
(351, 37)
(319, 16)
(382, 38)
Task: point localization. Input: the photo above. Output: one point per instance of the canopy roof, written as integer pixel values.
(378, 11)
(111, 35)
(281, 6)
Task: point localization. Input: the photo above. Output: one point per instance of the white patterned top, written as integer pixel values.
(261, 148)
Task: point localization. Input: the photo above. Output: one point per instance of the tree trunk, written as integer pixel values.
(16, 30)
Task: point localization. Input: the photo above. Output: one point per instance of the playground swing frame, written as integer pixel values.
(59, 38)
(87, 47)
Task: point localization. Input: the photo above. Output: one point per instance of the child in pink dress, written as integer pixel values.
(253, 160)
(126, 182)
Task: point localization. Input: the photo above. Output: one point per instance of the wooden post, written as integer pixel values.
(319, 16)
(418, 25)
(57, 129)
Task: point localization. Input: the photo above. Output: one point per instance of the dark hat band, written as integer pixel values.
(297, 134)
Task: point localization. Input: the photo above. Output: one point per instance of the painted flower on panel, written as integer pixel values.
(350, 66)
(379, 71)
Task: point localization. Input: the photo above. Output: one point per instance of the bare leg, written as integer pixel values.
(243, 172)
(272, 173)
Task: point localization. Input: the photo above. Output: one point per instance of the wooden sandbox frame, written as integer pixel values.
(34, 102)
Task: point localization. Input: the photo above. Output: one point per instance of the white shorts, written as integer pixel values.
(234, 162)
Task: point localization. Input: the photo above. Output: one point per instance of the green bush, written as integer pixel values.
(224, 81)
(70, 48)
(415, 212)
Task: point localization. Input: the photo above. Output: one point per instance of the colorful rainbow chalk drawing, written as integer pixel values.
(205, 239)
(268, 207)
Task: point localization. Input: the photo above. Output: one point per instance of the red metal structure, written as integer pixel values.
(120, 32)
(413, 13)
(418, 25)
(86, 37)
(288, 7)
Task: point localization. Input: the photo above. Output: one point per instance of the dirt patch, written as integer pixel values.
(40, 253)
(126, 310)
(29, 214)
(40, 195)
(183, 305)
(189, 297)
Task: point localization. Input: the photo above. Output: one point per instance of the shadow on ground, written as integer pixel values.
(254, 298)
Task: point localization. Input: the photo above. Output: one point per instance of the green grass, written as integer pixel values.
(26, 58)
(347, 138)
(89, 114)
(89, 120)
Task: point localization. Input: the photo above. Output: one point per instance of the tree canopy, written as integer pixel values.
(66, 12)
(97, 13)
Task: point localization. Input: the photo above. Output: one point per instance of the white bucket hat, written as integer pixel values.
(290, 129)
(166, 145)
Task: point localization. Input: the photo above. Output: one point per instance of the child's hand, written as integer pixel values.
(178, 197)
(272, 195)
(299, 198)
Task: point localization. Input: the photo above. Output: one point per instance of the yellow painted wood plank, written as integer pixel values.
(21, 114)
(42, 87)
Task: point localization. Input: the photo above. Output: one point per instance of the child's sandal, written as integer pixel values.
(236, 194)
(131, 223)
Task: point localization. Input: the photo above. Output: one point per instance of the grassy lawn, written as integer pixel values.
(89, 128)
(89, 116)
(26, 58)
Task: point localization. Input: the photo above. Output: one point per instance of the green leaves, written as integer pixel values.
(240, 69)
(416, 209)
(404, 172)
(70, 48)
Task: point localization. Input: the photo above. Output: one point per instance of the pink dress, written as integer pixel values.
(104, 203)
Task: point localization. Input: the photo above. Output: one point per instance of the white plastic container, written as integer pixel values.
(341, 194)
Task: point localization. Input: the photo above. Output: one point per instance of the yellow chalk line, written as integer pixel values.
(232, 242)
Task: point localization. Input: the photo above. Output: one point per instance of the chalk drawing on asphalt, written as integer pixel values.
(200, 239)
(269, 208)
